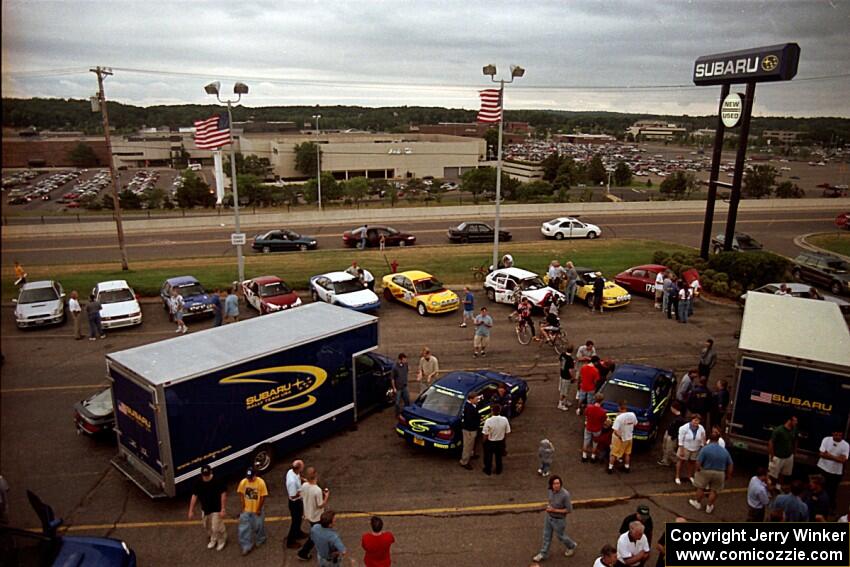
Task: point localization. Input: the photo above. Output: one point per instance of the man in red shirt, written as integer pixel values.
(377, 544)
(594, 418)
(588, 379)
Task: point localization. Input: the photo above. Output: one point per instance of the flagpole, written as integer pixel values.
(499, 176)
(240, 258)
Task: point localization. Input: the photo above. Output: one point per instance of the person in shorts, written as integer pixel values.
(781, 449)
(483, 325)
(177, 308)
(588, 379)
(468, 307)
(621, 443)
(692, 438)
(568, 376)
(714, 467)
(594, 417)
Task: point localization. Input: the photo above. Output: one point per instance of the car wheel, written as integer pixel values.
(591, 235)
(388, 295)
(835, 288)
(491, 294)
(314, 295)
(464, 240)
(263, 459)
(559, 236)
(266, 249)
(589, 300)
(402, 244)
(302, 247)
(519, 406)
(420, 308)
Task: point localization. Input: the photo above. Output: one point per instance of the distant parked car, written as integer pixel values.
(95, 415)
(283, 240)
(797, 290)
(196, 300)
(742, 243)
(268, 294)
(569, 227)
(646, 391)
(40, 303)
(392, 237)
(345, 290)
(823, 269)
(120, 306)
(475, 232)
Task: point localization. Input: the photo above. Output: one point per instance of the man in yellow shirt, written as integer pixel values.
(20, 274)
(252, 529)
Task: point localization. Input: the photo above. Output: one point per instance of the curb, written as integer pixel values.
(803, 243)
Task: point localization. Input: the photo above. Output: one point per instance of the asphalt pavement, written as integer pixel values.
(776, 229)
(440, 513)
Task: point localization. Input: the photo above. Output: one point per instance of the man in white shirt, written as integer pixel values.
(607, 556)
(496, 428)
(632, 547)
(76, 314)
(834, 451)
(315, 502)
(623, 431)
(691, 439)
(296, 504)
(659, 289)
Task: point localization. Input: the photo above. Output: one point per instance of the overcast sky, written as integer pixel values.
(422, 53)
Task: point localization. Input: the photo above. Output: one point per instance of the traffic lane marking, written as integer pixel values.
(452, 510)
(223, 240)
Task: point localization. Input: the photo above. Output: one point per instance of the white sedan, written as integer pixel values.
(569, 227)
(345, 290)
(502, 286)
(120, 308)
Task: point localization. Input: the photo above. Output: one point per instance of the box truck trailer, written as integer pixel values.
(236, 395)
(793, 359)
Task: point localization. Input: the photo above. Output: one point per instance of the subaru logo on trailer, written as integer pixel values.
(762, 64)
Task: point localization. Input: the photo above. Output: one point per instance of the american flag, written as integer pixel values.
(491, 105)
(212, 133)
(764, 397)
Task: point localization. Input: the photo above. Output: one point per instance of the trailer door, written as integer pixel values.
(754, 412)
(135, 420)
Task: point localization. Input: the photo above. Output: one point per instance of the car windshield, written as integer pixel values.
(554, 221)
(632, 396)
(37, 295)
(431, 285)
(441, 401)
(115, 296)
(347, 286)
(747, 242)
(272, 289)
(532, 283)
(391, 231)
(461, 227)
(838, 266)
(190, 290)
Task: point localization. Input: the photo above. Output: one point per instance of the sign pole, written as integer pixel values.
(712, 178)
(735, 196)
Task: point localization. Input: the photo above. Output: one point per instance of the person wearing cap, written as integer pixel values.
(212, 494)
(642, 516)
(293, 484)
(252, 522)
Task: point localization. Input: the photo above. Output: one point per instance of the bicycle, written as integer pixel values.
(557, 340)
(523, 329)
(480, 272)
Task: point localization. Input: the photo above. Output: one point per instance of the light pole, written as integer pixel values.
(238, 89)
(318, 162)
(516, 72)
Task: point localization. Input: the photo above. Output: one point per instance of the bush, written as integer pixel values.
(750, 269)
(720, 288)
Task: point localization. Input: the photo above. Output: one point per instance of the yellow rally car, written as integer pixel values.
(420, 290)
(613, 296)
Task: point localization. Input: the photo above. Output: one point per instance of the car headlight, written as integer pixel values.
(435, 303)
(312, 243)
(135, 314)
(272, 306)
(57, 311)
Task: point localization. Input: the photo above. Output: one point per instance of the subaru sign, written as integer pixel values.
(762, 64)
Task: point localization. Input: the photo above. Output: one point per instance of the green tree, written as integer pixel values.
(392, 194)
(356, 189)
(534, 190)
(250, 165)
(306, 158)
(194, 192)
(155, 197)
(478, 181)
(90, 202)
(551, 164)
(252, 189)
(596, 170)
(378, 186)
(565, 176)
(759, 181)
(82, 155)
(788, 190)
(331, 189)
(129, 200)
(415, 185)
(679, 184)
(622, 174)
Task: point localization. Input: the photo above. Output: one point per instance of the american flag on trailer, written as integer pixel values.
(491, 105)
(764, 397)
(212, 133)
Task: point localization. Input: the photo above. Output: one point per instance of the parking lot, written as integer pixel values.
(439, 512)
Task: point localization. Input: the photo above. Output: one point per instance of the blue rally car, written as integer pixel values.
(647, 392)
(434, 419)
(196, 301)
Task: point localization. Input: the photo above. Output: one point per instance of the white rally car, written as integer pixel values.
(345, 290)
(120, 307)
(509, 285)
(569, 227)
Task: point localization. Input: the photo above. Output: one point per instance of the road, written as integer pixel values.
(775, 229)
(441, 514)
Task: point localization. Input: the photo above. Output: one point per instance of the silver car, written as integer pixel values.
(40, 303)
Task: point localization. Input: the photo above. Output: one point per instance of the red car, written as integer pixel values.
(268, 294)
(392, 237)
(640, 280)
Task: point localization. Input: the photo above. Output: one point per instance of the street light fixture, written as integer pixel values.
(239, 89)
(318, 162)
(490, 71)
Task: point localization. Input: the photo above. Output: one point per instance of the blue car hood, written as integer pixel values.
(203, 299)
(93, 552)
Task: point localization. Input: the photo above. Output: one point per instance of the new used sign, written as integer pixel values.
(762, 64)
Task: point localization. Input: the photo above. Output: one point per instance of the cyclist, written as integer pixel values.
(523, 315)
(551, 327)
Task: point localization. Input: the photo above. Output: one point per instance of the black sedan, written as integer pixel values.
(282, 240)
(475, 232)
(392, 237)
(95, 415)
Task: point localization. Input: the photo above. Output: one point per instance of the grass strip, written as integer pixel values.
(834, 241)
(452, 264)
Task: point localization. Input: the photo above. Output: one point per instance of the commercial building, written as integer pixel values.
(644, 130)
(782, 136)
(584, 138)
(512, 132)
(524, 171)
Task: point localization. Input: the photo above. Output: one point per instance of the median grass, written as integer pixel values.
(834, 241)
(452, 264)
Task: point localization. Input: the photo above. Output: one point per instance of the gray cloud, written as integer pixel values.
(440, 44)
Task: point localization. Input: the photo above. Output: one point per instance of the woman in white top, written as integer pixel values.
(76, 314)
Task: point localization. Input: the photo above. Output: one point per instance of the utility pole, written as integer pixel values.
(101, 99)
